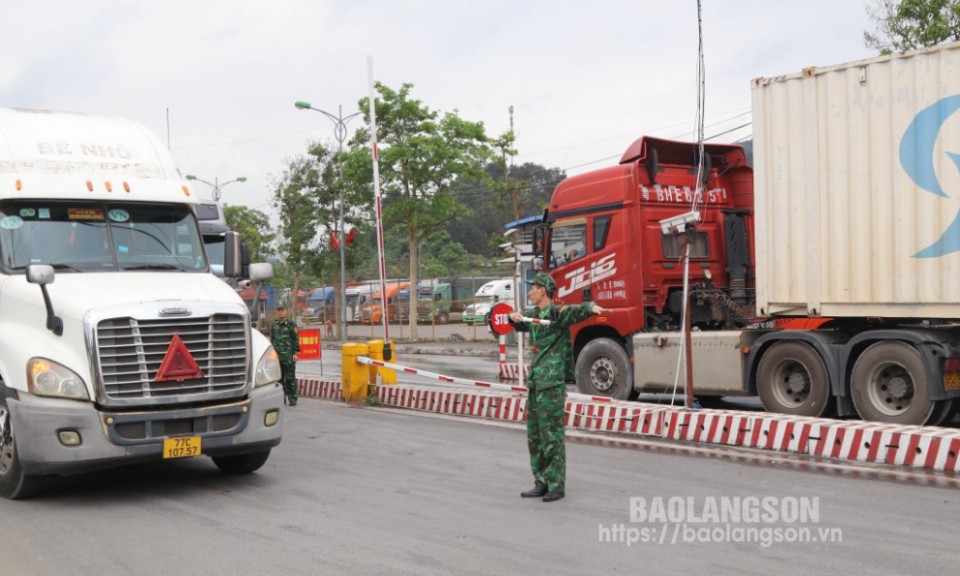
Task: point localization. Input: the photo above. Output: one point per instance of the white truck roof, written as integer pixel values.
(47, 154)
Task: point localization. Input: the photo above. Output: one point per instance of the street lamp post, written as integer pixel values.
(340, 134)
(216, 185)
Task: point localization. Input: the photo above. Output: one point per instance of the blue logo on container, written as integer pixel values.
(916, 157)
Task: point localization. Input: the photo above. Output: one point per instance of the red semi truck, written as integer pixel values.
(832, 286)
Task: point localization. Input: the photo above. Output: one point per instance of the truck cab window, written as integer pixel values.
(568, 242)
(95, 236)
(601, 227)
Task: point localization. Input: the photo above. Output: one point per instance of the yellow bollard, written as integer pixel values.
(387, 375)
(353, 383)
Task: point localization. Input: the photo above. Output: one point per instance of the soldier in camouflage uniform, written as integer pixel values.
(547, 384)
(286, 340)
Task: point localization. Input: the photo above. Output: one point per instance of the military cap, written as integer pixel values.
(545, 280)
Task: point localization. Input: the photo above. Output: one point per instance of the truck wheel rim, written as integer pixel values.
(602, 374)
(890, 389)
(792, 384)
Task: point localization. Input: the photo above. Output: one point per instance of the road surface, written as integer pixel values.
(378, 491)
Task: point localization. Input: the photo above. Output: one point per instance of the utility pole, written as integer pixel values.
(340, 134)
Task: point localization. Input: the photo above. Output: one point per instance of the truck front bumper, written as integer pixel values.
(109, 438)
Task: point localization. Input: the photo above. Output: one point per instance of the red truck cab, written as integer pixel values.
(602, 240)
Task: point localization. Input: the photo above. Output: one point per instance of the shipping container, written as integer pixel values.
(857, 187)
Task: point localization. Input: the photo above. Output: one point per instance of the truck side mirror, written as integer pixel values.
(261, 271)
(538, 241)
(232, 255)
(43, 274)
(40, 274)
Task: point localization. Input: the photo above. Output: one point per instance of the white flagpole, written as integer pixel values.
(379, 209)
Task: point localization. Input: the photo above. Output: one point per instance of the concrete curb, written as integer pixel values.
(927, 448)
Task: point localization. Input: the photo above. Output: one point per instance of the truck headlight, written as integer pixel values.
(268, 368)
(47, 378)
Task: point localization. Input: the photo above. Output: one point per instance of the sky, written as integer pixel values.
(217, 79)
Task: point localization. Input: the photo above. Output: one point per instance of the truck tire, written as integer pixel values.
(443, 318)
(603, 369)
(945, 413)
(889, 384)
(14, 484)
(241, 463)
(792, 379)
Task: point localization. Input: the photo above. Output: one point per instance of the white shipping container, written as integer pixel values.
(858, 188)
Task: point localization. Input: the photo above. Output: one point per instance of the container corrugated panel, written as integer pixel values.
(858, 188)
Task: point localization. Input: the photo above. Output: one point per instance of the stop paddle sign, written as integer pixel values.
(500, 318)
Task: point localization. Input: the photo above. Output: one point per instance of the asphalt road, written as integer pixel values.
(379, 491)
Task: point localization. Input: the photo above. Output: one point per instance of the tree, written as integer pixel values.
(493, 206)
(297, 197)
(910, 24)
(423, 154)
(253, 226)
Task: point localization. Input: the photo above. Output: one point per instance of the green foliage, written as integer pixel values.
(253, 226)
(423, 155)
(910, 24)
(447, 191)
(494, 205)
(299, 199)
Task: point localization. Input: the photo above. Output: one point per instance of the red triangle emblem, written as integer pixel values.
(178, 364)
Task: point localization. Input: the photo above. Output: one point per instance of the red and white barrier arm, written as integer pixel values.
(476, 383)
(543, 321)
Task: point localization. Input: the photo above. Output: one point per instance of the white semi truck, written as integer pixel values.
(118, 343)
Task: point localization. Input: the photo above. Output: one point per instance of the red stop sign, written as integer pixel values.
(500, 318)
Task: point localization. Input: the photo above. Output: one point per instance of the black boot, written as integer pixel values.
(537, 492)
(553, 496)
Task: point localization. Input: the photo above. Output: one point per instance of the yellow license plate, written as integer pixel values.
(181, 447)
(951, 380)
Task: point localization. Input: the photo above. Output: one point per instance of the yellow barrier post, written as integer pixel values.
(353, 384)
(387, 376)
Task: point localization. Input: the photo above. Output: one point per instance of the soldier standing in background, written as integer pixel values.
(286, 340)
(547, 384)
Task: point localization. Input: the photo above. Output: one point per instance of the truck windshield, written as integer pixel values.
(95, 236)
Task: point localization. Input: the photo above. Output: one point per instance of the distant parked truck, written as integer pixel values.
(434, 303)
(463, 289)
(321, 305)
(489, 294)
(372, 312)
(358, 297)
(401, 312)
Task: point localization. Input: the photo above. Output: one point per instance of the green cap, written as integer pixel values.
(545, 280)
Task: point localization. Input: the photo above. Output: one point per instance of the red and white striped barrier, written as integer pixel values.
(313, 388)
(512, 371)
(478, 383)
(927, 448)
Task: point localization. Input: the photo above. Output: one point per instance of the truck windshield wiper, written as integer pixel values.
(154, 267)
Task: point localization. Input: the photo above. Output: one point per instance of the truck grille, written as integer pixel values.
(130, 352)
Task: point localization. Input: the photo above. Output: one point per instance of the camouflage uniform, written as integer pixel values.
(547, 384)
(286, 340)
